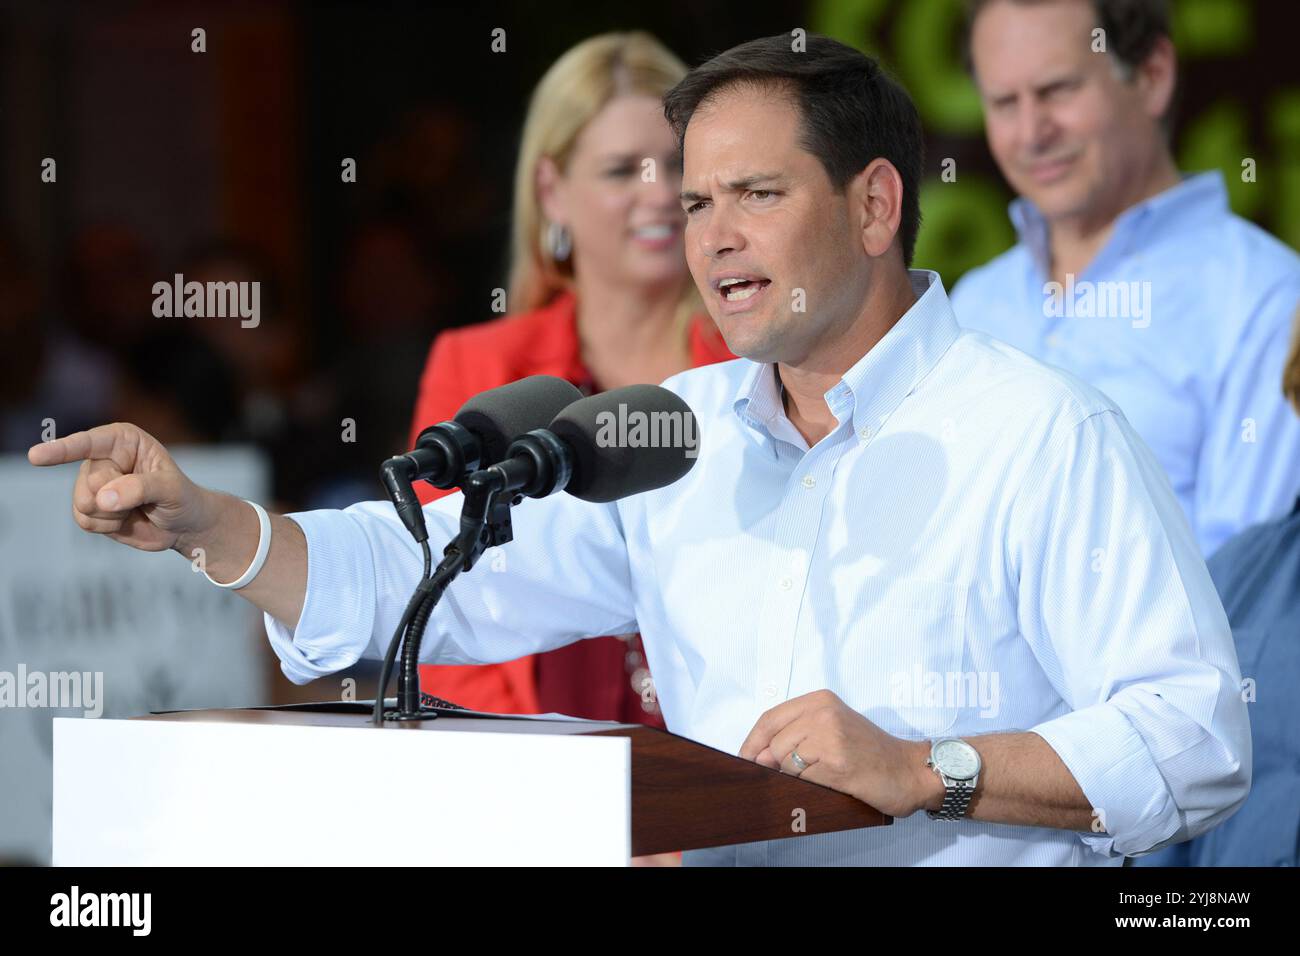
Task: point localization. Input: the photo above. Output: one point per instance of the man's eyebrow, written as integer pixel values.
(1057, 80)
(736, 185)
(1037, 86)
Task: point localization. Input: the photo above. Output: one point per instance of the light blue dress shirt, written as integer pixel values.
(1193, 358)
(1257, 574)
(977, 524)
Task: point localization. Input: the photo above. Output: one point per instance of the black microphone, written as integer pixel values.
(600, 449)
(479, 435)
(606, 447)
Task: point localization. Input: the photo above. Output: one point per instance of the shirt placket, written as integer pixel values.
(794, 537)
(1050, 328)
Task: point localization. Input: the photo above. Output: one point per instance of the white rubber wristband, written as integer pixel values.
(263, 549)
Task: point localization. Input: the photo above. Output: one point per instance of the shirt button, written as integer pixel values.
(865, 431)
(786, 584)
(769, 690)
(809, 481)
(1053, 341)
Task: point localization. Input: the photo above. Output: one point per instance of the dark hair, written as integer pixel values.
(1132, 27)
(851, 110)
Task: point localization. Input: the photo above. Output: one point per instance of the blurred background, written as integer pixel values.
(226, 165)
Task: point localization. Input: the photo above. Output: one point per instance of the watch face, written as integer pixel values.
(956, 759)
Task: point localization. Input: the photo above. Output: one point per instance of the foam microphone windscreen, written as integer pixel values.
(500, 415)
(626, 441)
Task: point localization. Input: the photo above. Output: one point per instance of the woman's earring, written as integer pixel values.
(558, 242)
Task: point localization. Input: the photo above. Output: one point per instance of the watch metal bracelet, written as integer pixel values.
(956, 799)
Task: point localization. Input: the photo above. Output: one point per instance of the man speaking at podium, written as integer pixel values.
(910, 563)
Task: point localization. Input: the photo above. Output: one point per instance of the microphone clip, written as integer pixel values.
(485, 515)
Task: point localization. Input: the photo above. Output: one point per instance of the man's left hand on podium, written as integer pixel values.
(820, 738)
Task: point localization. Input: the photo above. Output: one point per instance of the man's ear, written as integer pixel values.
(876, 199)
(1157, 76)
(550, 190)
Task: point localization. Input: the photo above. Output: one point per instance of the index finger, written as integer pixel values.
(98, 442)
(771, 723)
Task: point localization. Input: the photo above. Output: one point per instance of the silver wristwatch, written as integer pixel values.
(958, 765)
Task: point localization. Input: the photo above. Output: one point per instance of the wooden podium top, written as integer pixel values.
(685, 795)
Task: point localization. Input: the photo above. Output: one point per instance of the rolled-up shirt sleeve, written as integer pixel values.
(1120, 611)
(565, 576)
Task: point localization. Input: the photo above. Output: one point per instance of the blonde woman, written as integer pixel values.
(599, 294)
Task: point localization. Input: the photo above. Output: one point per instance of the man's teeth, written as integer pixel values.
(737, 290)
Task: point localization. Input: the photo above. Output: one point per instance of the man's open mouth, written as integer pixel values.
(737, 290)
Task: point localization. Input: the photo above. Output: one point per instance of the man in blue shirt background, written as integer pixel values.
(1138, 280)
(1257, 574)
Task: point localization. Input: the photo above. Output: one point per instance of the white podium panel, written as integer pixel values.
(159, 792)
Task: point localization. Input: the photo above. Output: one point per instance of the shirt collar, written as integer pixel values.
(1199, 197)
(879, 381)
